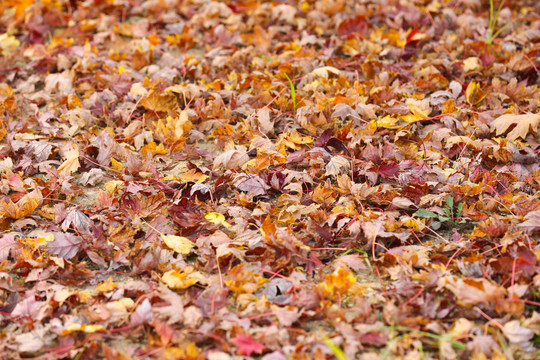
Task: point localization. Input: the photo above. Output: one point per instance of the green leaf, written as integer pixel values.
(450, 202)
(448, 212)
(425, 213)
(443, 218)
(435, 225)
(459, 209)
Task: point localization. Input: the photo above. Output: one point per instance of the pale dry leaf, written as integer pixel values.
(524, 124)
(143, 314)
(179, 244)
(71, 164)
(402, 203)
(79, 220)
(337, 165)
(471, 64)
(60, 81)
(264, 121)
(472, 291)
(229, 249)
(516, 333)
(232, 159)
(7, 243)
(325, 72)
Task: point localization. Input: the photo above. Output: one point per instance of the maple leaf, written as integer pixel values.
(7, 243)
(30, 307)
(217, 218)
(337, 283)
(231, 159)
(80, 221)
(8, 44)
(178, 279)
(247, 346)
(259, 38)
(65, 245)
(71, 164)
(87, 328)
(179, 244)
(522, 125)
(25, 206)
(516, 333)
(337, 165)
(252, 184)
(143, 314)
(472, 291)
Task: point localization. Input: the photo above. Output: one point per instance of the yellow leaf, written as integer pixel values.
(179, 244)
(25, 206)
(40, 240)
(82, 327)
(420, 111)
(116, 165)
(388, 122)
(112, 185)
(159, 102)
(471, 64)
(413, 224)
(178, 279)
(8, 44)
(193, 176)
(217, 218)
(339, 282)
(474, 94)
(106, 285)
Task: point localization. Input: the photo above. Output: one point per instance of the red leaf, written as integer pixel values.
(388, 169)
(352, 25)
(247, 346)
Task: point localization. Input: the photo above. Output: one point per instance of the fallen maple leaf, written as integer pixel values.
(179, 244)
(524, 123)
(337, 165)
(143, 314)
(516, 333)
(65, 245)
(8, 44)
(178, 279)
(232, 159)
(25, 206)
(87, 328)
(247, 346)
(71, 164)
(217, 218)
(472, 291)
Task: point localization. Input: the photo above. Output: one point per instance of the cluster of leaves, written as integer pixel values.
(196, 179)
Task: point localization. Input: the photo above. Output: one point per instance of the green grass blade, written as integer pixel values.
(338, 353)
(293, 93)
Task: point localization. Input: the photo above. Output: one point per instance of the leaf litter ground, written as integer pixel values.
(274, 180)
